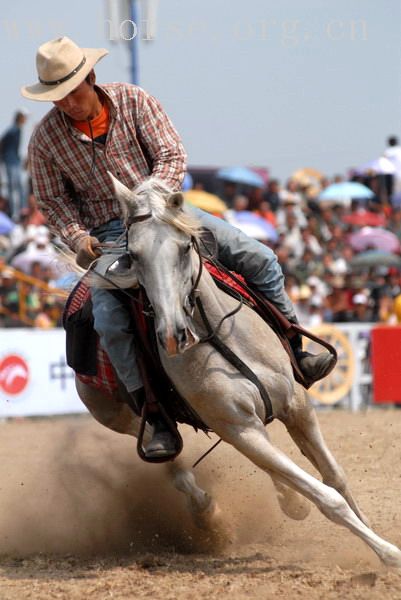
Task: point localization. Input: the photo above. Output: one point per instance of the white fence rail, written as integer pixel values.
(360, 394)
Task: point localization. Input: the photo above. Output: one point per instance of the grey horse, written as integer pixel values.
(166, 264)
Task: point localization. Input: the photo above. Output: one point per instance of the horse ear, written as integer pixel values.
(175, 200)
(124, 195)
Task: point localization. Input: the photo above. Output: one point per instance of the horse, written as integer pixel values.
(164, 260)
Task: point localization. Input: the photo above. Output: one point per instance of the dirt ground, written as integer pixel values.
(82, 517)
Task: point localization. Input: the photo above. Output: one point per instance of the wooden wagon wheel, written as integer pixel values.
(335, 386)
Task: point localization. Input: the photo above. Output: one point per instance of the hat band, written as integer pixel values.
(67, 77)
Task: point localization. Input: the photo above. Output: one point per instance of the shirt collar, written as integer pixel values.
(113, 106)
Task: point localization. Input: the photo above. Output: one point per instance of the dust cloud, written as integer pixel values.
(68, 485)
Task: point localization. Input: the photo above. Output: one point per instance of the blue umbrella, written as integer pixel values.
(241, 175)
(188, 182)
(346, 191)
(6, 224)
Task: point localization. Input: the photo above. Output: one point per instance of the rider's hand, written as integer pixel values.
(87, 250)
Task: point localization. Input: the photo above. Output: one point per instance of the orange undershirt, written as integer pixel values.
(100, 124)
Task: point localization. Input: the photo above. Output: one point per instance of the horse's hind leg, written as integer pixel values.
(303, 426)
(291, 503)
(251, 440)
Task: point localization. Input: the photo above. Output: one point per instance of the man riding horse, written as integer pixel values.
(91, 130)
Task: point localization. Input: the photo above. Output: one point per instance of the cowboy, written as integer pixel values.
(95, 129)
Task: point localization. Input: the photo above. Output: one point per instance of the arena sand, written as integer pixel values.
(82, 517)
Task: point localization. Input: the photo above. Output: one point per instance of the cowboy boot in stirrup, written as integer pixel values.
(313, 366)
(163, 442)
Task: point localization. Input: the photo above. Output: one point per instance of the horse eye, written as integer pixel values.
(187, 248)
(133, 255)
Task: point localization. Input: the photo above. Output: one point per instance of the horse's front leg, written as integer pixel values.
(249, 437)
(302, 424)
(204, 509)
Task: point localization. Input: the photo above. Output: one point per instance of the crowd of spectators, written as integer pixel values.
(312, 246)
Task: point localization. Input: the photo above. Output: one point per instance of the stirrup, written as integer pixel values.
(315, 372)
(171, 427)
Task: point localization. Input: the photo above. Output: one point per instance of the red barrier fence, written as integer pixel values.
(386, 364)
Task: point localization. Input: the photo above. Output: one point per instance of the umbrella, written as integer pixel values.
(376, 258)
(47, 259)
(188, 182)
(379, 166)
(307, 176)
(253, 225)
(374, 238)
(365, 217)
(344, 192)
(264, 174)
(241, 175)
(208, 202)
(6, 224)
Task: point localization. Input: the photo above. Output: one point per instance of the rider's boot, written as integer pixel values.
(163, 442)
(313, 366)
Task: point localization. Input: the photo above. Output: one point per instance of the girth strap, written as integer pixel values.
(232, 358)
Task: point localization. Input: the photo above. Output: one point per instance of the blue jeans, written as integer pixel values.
(111, 318)
(248, 257)
(15, 189)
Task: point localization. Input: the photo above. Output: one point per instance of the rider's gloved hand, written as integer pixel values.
(87, 250)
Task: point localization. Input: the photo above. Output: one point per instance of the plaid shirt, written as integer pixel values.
(69, 174)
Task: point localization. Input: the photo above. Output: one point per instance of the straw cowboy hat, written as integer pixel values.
(61, 66)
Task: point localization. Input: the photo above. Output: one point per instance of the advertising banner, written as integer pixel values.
(34, 376)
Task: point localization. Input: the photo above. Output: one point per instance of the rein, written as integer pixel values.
(193, 298)
(221, 347)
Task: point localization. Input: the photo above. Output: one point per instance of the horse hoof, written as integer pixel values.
(293, 505)
(392, 557)
(216, 532)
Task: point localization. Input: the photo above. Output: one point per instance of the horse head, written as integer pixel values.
(160, 240)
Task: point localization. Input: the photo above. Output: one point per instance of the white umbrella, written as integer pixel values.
(379, 166)
(252, 225)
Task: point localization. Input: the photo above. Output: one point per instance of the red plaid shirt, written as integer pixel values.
(141, 142)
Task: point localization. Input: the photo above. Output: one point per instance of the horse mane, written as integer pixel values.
(154, 192)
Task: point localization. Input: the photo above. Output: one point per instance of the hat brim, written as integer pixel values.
(58, 91)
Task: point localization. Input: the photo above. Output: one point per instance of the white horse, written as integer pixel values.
(166, 264)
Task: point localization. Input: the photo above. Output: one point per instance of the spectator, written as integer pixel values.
(302, 304)
(9, 298)
(393, 153)
(34, 216)
(229, 193)
(337, 301)
(39, 250)
(9, 148)
(362, 312)
(272, 195)
(290, 194)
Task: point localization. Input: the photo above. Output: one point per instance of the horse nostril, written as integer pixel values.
(182, 336)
